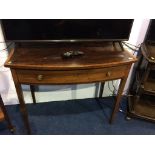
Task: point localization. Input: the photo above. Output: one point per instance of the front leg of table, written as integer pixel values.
(118, 98)
(21, 101)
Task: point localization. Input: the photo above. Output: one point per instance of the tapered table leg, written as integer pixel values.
(32, 88)
(21, 101)
(101, 89)
(118, 98)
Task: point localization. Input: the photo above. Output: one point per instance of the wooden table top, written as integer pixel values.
(50, 58)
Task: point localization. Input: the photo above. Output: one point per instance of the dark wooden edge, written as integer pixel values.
(48, 68)
(1, 114)
(6, 116)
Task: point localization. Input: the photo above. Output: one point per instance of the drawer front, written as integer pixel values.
(70, 77)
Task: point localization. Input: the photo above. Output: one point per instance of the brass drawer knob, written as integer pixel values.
(39, 77)
(108, 74)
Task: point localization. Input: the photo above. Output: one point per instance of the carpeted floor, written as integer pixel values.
(76, 117)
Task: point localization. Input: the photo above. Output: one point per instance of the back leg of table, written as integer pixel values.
(101, 89)
(32, 88)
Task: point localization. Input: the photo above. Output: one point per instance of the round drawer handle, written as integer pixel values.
(39, 77)
(108, 74)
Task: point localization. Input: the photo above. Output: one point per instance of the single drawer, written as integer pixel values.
(70, 76)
